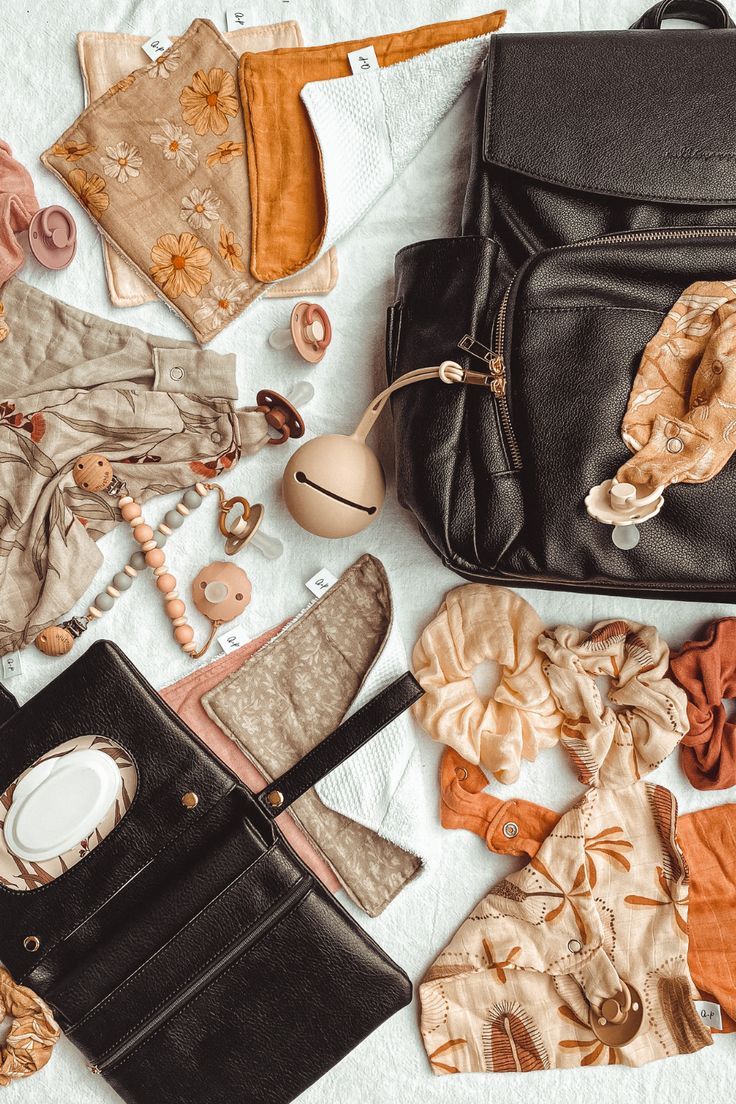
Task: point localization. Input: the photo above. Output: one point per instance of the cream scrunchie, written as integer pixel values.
(609, 748)
(473, 624)
(33, 1033)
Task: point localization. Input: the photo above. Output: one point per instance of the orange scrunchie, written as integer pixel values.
(33, 1034)
(706, 670)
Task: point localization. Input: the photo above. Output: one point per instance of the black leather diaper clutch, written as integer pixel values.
(191, 956)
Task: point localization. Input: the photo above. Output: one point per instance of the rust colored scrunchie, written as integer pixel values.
(33, 1033)
(706, 670)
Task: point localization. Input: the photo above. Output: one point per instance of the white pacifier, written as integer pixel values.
(59, 803)
(624, 506)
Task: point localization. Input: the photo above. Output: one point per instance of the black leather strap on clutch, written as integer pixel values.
(191, 955)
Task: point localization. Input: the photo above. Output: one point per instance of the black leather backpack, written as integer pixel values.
(602, 183)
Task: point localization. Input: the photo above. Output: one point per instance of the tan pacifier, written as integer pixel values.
(309, 331)
(334, 486)
(221, 592)
(619, 1019)
(281, 412)
(624, 506)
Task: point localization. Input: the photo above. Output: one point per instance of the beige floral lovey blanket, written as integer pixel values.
(160, 167)
(681, 417)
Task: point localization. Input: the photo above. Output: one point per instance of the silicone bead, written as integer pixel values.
(104, 602)
(172, 519)
(175, 608)
(129, 511)
(121, 581)
(138, 561)
(166, 583)
(155, 557)
(160, 539)
(184, 634)
(143, 533)
(192, 500)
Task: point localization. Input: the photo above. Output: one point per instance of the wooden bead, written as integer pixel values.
(165, 530)
(189, 648)
(148, 546)
(130, 571)
(201, 490)
(54, 641)
(181, 509)
(129, 511)
(112, 591)
(175, 609)
(184, 634)
(166, 583)
(143, 533)
(155, 557)
(93, 472)
(94, 612)
(178, 621)
(125, 499)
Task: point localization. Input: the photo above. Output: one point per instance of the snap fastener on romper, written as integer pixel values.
(177, 373)
(574, 946)
(510, 829)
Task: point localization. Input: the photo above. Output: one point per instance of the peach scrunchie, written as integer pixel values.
(611, 748)
(706, 670)
(473, 624)
(33, 1033)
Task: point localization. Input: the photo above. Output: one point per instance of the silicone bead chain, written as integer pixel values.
(155, 558)
(58, 640)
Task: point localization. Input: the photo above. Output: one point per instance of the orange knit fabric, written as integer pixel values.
(284, 164)
(706, 670)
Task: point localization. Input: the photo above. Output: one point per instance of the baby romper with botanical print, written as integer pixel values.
(524, 982)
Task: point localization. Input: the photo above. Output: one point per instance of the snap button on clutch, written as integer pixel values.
(32, 943)
(275, 799)
(190, 800)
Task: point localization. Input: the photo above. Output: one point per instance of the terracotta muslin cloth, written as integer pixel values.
(681, 417)
(286, 186)
(706, 670)
(33, 1033)
(159, 167)
(707, 838)
(524, 983)
(473, 624)
(18, 204)
(105, 57)
(163, 411)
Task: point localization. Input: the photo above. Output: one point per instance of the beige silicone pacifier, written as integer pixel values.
(334, 485)
(625, 506)
(309, 331)
(220, 592)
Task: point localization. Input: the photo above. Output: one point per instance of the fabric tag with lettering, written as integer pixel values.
(157, 45)
(320, 583)
(363, 60)
(710, 1014)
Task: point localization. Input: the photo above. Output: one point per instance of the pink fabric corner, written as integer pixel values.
(185, 696)
(18, 204)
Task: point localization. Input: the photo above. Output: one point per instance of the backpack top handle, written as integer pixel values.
(709, 13)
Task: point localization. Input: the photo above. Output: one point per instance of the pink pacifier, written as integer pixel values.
(309, 331)
(52, 237)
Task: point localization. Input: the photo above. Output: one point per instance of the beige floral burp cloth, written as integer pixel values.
(106, 58)
(681, 417)
(159, 166)
(293, 693)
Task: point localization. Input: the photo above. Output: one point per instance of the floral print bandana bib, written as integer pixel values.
(159, 165)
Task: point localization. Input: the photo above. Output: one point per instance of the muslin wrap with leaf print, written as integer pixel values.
(681, 417)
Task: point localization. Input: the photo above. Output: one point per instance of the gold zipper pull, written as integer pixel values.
(476, 349)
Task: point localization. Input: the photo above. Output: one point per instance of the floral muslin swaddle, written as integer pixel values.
(160, 167)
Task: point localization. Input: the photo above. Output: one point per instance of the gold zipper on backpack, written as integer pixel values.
(498, 380)
(495, 358)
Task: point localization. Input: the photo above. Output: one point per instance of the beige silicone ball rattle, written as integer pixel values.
(334, 485)
(625, 506)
